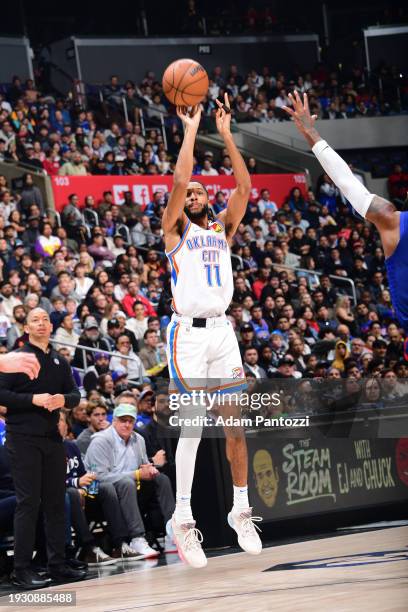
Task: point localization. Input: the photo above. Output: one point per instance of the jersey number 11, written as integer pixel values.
(213, 275)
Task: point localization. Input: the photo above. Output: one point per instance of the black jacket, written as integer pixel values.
(17, 390)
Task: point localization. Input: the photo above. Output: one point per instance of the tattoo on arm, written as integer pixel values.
(379, 206)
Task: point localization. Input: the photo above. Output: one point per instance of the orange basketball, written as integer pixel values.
(185, 82)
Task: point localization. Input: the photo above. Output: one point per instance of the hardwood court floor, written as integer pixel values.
(361, 571)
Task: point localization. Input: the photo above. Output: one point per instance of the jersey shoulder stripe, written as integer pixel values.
(181, 241)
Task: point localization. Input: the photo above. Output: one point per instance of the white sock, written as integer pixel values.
(185, 463)
(183, 509)
(241, 501)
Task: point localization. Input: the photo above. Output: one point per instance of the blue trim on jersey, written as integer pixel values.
(173, 270)
(240, 387)
(181, 239)
(173, 371)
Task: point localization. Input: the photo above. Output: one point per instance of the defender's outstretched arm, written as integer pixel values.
(377, 210)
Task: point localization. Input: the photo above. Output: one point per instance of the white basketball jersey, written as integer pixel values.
(201, 272)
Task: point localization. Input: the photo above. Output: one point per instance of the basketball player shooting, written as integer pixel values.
(391, 224)
(201, 341)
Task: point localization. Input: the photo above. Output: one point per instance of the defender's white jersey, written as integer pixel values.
(201, 272)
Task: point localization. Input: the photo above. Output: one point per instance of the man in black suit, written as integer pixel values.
(37, 456)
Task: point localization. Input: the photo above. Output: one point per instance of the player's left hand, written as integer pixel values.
(54, 402)
(223, 117)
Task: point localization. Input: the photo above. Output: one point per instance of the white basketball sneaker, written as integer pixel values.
(244, 524)
(141, 547)
(188, 540)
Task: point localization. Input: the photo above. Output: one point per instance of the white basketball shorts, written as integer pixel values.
(204, 358)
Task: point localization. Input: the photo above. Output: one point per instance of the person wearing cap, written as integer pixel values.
(100, 366)
(286, 368)
(248, 338)
(145, 408)
(116, 328)
(119, 168)
(91, 338)
(121, 462)
(14, 261)
(123, 319)
(118, 247)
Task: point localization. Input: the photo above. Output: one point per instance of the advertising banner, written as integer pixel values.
(143, 187)
(309, 476)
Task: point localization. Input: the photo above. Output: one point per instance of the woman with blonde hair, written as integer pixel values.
(86, 260)
(344, 313)
(111, 311)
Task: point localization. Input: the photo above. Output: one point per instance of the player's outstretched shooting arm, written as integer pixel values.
(377, 210)
(174, 219)
(238, 201)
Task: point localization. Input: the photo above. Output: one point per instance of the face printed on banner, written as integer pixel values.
(266, 477)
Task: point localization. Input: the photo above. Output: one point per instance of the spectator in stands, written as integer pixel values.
(371, 393)
(250, 359)
(29, 195)
(77, 481)
(265, 203)
(134, 295)
(398, 185)
(342, 353)
(16, 330)
(153, 355)
(208, 169)
(128, 476)
(96, 415)
(126, 358)
(92, 339)
(66, 334)
(76, 167)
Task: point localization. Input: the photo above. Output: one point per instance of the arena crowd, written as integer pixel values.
(110, 292)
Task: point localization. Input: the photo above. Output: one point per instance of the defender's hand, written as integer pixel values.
(300, 113)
